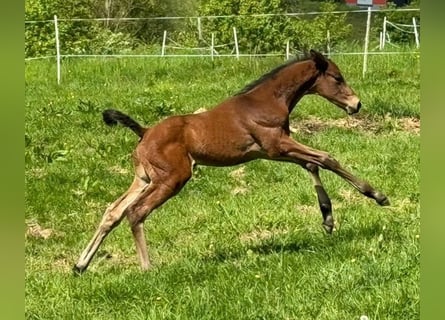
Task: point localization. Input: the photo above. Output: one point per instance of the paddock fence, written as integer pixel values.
(169, 47)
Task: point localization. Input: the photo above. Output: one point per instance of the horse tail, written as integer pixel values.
(112, 117)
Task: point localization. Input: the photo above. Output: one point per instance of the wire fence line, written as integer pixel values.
(211, 48)
(257, 15)
(191, 55)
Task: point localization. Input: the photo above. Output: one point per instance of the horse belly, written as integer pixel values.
(224, 152)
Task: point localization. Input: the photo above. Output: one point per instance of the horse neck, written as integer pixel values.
(292, 83)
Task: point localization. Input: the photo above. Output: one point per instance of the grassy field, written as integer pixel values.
(241, 242)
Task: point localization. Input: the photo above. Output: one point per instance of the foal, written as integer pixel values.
(253, 124)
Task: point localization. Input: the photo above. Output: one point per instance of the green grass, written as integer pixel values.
(241, 242)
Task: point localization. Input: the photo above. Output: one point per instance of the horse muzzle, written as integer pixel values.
(353, 109)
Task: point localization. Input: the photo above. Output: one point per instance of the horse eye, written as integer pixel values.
(338, 78)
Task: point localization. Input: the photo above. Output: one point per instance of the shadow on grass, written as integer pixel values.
(265, 247)
(272, 247)
(319, 243)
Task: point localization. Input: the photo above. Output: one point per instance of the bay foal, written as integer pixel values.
(253, 124)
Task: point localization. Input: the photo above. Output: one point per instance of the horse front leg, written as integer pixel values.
(296, 152)
(323, 199)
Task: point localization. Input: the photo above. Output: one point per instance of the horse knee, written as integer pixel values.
(137, 212)
(328, 161)
(311, 167)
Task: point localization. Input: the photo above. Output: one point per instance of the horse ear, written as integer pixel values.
(320, 61)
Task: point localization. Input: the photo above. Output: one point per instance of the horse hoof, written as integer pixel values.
(78, 271)
(328, 224)
(328, 229)
(383, 200)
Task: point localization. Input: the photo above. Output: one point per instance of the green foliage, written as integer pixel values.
(148, 30)
(313, 33)
(257, 34)
(271, 33)
(265, 34)
(401, 17)
(39, 37)
(75, 37)
(99, 37)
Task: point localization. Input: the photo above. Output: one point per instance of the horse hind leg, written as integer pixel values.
(111, 219)
(153, 197)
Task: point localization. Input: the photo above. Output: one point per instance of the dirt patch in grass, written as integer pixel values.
(63, 264)
(306, 209)
(361, 123)
(34, 230)
(410, 124)
(239, 175)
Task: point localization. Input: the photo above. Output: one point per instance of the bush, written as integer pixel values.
(268, 33)
(39, 37)
(271, 33)
(76, 37)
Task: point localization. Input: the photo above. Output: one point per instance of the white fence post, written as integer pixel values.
(384, 33)
(328, 45)
(56, 28)
(164, 39)
(365, 55)
(416, 34)
(287, 50)
(213, 45)
(199, 29)
(236, 43)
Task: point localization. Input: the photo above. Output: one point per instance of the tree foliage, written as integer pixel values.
(74, 36)
(147, 30)
(260, 24)
(98, 37)
(271, 32)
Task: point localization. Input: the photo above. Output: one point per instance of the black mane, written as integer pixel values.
(269, 75)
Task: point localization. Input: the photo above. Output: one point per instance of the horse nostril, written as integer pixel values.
(359, 105)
